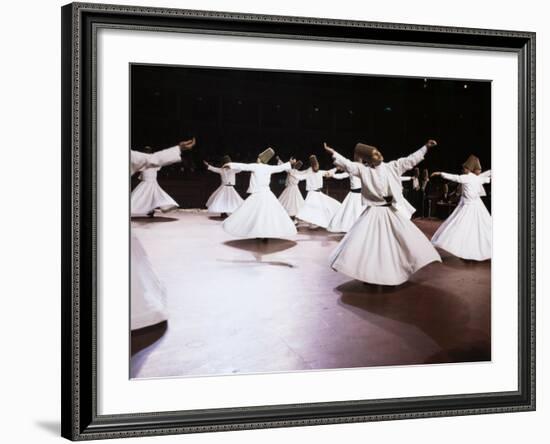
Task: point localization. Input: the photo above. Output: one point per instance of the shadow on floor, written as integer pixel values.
(145, 219)
(261, 247)
(146, 336)
(441, 315)
(259, 261)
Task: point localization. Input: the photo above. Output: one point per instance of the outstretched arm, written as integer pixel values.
(339, 176)
(287, 166)
(240, 166)
(352, 168)
(140, 161)
(485, 177)
(212, 168)
(452, 177)
(408, 163)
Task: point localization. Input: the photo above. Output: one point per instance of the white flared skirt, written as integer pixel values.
(318, 209)
(292, 200)
(224, 200)
(260, 216)
(347, 214)
(383, 247)
(148, 196)
(147, 295)
(467, 232)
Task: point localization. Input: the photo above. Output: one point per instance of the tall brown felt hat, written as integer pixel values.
(226, 159)
(298, 165)
(266, 155)
(472, 163)
(363, 150)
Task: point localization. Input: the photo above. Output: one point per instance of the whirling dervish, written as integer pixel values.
(148, 195)
(261, 215)
(351, 207)
(383, 247)
(467, 232)
(318, 209)
(225, 200)
(291, 198)
(148, 296)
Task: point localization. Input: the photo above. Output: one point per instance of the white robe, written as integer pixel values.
(148, 195)
(147, 295)
(291, 198)
(467, 232)
(225, 199)
(383, 247)
(318, 209)
(261, 215)
(351, 207)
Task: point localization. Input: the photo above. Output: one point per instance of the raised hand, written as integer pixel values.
(328, 149)
(187, 144)
(292, 161)
(431, 143)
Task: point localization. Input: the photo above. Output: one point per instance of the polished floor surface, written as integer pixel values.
(245, 306)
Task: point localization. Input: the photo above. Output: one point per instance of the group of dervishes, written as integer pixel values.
(381, 245)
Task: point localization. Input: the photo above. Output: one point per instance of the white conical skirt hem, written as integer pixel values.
(467, 232)
(147, 295)
(148, 196)
(383, 247)
(318, 209)
(224, 200)
(260, 216)
(292, 200)
(348, 213)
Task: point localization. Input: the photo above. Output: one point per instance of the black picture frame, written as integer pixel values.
(80, 420)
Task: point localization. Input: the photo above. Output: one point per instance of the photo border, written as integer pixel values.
(80, 22)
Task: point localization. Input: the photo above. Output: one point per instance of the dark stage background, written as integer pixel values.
(241, 112)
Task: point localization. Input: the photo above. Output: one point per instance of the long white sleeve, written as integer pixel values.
(280, 168)
(140, 161)
(214, 169)
(452, 177)
(242, 166)
(408, 163)
(352, 168)
(340, 176)
(485, 177)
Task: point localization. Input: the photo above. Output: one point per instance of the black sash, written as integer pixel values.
(355, 190)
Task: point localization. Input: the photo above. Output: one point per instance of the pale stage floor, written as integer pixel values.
(244, 306)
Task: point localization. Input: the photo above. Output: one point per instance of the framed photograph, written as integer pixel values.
(280, 221)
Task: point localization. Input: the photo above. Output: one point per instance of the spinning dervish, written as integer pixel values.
(467, 232)
(351, 208)
(383, 247)
(148, 296)
(318, 209)
(148, 195)
(261, 215)
(225, 200)
(291, 198)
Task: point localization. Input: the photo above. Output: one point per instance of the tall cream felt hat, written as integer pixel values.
(266, 155)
